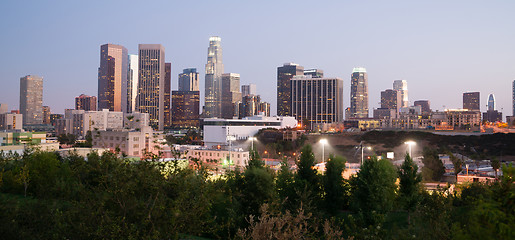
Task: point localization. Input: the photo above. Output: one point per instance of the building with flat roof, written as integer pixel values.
(112, 78)
(230, 94)
(471, 101)
(130, 142)
(151, 86)
(11, 121)
(219, 131)
(391, 99)
(31, 99)
(189, 80)
(425, 106)
(132, 82)
(284, 75)
(86, 103)
(185, 109)
(316, 100)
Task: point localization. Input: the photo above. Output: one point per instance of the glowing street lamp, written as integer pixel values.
(323, 141)
(362, 148)
(410, 143)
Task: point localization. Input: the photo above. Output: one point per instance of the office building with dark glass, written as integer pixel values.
(471, 101)
(112, 78)
(151, 85)
(359, 93)
(86, 103)
(231, 95)
(167, 101)
(185, 109)
(284, 75)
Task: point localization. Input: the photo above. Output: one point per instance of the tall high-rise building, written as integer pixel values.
(249, 89)
(86, 103)
(317, 100)
(391, 99)
(151, 84)
(46, 115)
(249, 105)
(230, 94)
(185, 109)
(402, 87)
(359, 93)
(112, 78)
(284, 76)
(491, 102)
(425, 106)
(315, 73)
(471, 101)
(213, 80)
(168, 88)
(188, 80)
(132, 83)
(31, 99)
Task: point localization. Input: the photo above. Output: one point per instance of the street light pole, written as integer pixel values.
(323, 141)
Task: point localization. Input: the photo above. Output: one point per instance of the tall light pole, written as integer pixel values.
(362, 148)
(230, 139)
(410, 143)
(252, 142)
(323, 141)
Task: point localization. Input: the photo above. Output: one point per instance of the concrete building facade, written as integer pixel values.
(31, 99)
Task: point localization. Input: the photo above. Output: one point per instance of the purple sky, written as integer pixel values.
(442, 48)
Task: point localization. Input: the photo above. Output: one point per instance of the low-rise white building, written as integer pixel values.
(237, 157)
(130, 142)
(220, 131)
(136, 120)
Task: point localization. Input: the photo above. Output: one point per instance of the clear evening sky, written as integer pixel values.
(442, 48)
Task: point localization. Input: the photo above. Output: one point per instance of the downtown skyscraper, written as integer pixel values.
(112, 78)
(151, 84)
(284, 76)
(402, 87)
(186, 101)
(132, 83)
(213, 80)
(359, 93)
(231, 94)
(31, 99)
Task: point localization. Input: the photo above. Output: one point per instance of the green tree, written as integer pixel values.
(334, 185)
(496, 165)
(285, 185)
(457, 163)
(433, 169)
(373, 190)
(409, 187)
(307, 181)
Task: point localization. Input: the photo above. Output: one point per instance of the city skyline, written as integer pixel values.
(462, 59)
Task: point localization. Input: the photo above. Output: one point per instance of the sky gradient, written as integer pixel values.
(442, 48)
